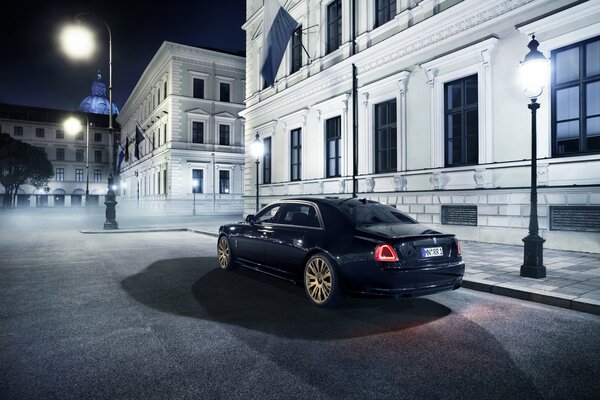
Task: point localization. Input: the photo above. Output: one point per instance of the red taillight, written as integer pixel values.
(385, 253)
(458, 247)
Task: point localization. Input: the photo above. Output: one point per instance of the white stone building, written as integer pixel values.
(187, 101)
(444, 132)
(43, 128)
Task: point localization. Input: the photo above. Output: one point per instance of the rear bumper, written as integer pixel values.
(375, 280)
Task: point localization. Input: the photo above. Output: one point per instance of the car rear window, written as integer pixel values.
(363, 212)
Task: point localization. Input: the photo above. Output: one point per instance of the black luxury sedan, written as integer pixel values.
(337, 246)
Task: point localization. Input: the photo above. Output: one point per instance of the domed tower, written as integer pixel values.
(98, 102)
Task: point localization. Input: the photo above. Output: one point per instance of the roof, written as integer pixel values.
(50, 115)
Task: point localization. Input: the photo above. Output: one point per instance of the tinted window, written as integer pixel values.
(300, 215)
(370, 212)
(268, 214)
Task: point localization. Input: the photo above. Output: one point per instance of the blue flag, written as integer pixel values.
(278, 28)
(121, 158)
(139, 137)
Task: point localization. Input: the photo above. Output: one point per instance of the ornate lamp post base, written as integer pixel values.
(533, 264)
(111, 203)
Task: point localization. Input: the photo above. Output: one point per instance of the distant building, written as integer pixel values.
(444, 132)
(186, 103)
(43, 128)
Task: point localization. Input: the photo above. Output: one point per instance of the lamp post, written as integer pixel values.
(534, 71)
(257, 149)
(78, 43)
(72, 126)
(195, 183)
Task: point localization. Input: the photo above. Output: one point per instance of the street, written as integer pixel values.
(148, 315)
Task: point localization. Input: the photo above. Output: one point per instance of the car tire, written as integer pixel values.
(224, 254)
(322, 282)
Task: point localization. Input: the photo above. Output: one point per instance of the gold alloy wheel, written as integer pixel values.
(318, 280)
(224, 253)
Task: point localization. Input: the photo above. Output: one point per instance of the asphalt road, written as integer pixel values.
(148, 315)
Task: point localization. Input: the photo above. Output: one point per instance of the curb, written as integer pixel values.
(537, 296)
(147, 230)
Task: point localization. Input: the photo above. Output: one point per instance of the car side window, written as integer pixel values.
(299, 215)
(267, 215)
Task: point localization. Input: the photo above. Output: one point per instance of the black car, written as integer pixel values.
(338, 246)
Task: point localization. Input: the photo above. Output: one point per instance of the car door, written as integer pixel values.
(285, 248)
(250, 241)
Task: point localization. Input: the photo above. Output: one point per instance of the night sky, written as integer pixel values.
(34, 71)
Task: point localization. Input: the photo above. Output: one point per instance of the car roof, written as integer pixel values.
(322, 200)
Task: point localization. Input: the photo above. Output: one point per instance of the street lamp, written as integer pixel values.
(257, 149)
(195, 183)
(534, 72)
(72, 126)
(78, 43)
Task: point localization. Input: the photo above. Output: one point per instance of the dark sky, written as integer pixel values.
(33, 70)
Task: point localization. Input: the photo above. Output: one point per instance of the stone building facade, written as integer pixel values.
(444, 132)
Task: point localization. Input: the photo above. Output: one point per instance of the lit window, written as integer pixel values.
(60, 174)
(223, 182)
(198, 174)
(79, 175)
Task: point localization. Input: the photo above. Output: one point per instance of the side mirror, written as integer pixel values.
(250, 219)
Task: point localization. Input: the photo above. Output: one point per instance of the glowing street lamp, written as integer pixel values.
(73, 126)
(534, 72)
(77, 42)
(257, 149)
(195, 184)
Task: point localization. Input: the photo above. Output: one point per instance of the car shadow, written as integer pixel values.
(195, 287)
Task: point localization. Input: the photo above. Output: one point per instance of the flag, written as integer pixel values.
(278, 27)
(121, 157)
(127, 149)
(139, 137)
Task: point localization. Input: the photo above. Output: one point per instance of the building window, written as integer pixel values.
(267, 160)
(334, 25)
(42, 149)
(165, 181)
(79, 155)
(39, 132)
(97, 175)
(60, 134)
(197, 132)
(333, 139)
(79, 175)
(223, 182)
(297, 49)
(385, 10)
(98, 156)
(60, 154)
(295, 155)
(576, 98)
(60, 174)
(461, 131)
(224, 91)
(79, 136)
(97, 137)
(198, 174)
(385, 137)
(158, 95)
(18, 131)
(165, 90)
(224, 135)
(198, 88)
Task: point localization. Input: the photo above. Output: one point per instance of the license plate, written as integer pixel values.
(427, 252)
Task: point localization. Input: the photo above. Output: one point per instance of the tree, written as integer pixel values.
(21, 163)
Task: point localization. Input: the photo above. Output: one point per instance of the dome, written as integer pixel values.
(98, 102)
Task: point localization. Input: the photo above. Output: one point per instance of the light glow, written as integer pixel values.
(77, 42)
(72, 126)
(534, 76)
(256, 148)
(385, 253)
(195, 183)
